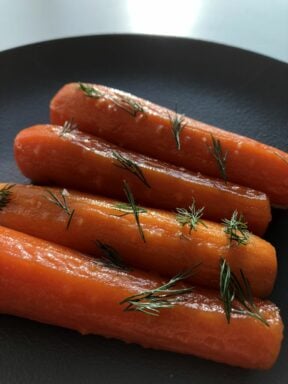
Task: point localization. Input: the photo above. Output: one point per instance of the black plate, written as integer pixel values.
(228, 87)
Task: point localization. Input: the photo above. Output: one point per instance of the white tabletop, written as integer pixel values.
(256, 25)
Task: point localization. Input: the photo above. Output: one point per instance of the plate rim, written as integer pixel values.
(100, 36)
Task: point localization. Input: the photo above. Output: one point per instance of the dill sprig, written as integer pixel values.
(190, 217)
(128, 105)
(62, 203)
(68, 127)
(131, 208)
(123, 102)
(111, 257)
(152, 301)
(232, 289)
(236, 228)
(177, 124)
(130, 166)
(221, 157)
(91, 91)
(5, 195)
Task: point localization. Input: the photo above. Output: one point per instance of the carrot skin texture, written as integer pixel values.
(55, 285)
(84, 162)
(169, 248)
(249, 162)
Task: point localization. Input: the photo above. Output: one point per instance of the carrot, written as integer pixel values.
(81, 161)
(55, 285)
(147, 128)
(168, 247)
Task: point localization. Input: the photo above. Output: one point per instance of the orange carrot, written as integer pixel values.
(168, 247)
(81, 161)
(55, 285)
(147, 128)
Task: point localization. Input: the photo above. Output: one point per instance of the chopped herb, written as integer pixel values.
(128, 105)
(232, 289)
(130, 166)
(62, 203)
(190, 217)
(91, 91)
(123, 102)
(221, 157)
(152, 301)
(131, 208)
(5, 195)
(110, 256)
(177, 125)
(68, 127)
(236, 228)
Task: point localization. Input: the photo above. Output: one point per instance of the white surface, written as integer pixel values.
(257, 25)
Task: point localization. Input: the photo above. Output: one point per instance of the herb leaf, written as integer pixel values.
(177, 124)
(190, 217)
(111, 257)
(68, 127)
(5, 195)
(231, 289)
(236, 228)
(131, 208)
(128, 105)
(221, 157)
(227, 293)
(124, 102)
(91, 91)
(62, 203)
(130, 166)
(152, 301)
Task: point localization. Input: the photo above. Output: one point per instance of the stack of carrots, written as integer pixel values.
(162, 245)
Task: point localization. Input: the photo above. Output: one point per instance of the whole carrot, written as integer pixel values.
(147, 128)
(55, 285)
(148, 239)
(69, 157)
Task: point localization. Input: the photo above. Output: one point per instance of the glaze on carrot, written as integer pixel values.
(168, 247)
(148, 129)
(55, 285)
(45, 154)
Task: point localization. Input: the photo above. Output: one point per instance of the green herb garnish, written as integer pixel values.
(236, 228)
(190, 217)
(177, 125)
(62, 203)
(91, 91)
(231, 289)
(124, 102)
(221, 157)
(5, 195)
(130, 166)
(128, 105)
(111, 257)
(131, 208)
(152, 301)
(68, 127)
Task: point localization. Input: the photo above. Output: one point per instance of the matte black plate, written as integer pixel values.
(234, 89)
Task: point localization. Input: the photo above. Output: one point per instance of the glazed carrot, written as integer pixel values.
(55, 285)
(168, 247)
(81, 161)
(144, 127)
